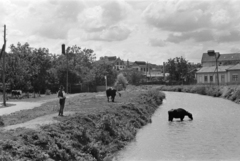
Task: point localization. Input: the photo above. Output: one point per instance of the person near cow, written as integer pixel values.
(62, 98)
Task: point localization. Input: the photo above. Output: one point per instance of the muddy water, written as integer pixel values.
(214, 133)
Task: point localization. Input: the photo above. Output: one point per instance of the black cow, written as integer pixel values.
(16, 93)
(178, 113)
(111, 93)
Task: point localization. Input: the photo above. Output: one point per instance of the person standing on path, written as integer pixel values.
(62, 98)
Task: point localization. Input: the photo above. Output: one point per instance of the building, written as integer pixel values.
(141, 66)
(228, 69)
(227, 74)
(224, 59)
(117, 63)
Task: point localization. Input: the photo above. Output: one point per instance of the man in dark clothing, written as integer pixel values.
(62, 98)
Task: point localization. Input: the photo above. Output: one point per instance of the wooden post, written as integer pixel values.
(3, 73)
(67, 73)
(105, 81)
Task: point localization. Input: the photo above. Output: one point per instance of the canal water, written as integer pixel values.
(214, 133)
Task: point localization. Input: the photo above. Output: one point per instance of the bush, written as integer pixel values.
(48, 92)
(121, 80)
(236, 94)
(212, 91)
(199, 90)
(1, 121)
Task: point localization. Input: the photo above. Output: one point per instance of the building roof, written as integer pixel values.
(235, 67)
(112, 58)
(223, 57)
(140, 62)
(213, 69)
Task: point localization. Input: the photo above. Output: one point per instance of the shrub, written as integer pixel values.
(199, 90)
(212, 91)
(48, 92)
(121, 80)
(1, 121)
(236, 94)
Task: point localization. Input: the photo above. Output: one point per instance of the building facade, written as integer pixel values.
(229, 74)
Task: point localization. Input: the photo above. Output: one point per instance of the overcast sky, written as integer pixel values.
(134, 30)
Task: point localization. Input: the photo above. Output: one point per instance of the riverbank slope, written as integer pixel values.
(231, 92)
(96, 131)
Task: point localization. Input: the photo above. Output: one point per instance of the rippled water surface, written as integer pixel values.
(214, 133)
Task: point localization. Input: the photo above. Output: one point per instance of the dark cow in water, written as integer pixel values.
(110, 92)
(16, 93)
(178, 113)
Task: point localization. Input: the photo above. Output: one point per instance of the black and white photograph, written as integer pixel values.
(119, 80)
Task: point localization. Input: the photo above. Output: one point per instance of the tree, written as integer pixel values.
(102, 69)
(121, 79)
(177, 69)
(134, 76)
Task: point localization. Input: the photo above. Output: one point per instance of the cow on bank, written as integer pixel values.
(110, 92)
(16, 93)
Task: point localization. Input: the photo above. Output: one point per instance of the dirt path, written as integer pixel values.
(18, 106)
(39, 121)
(45, 119)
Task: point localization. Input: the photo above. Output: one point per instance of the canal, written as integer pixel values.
(214, 133)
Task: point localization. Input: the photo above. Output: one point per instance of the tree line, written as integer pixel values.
(36, 69)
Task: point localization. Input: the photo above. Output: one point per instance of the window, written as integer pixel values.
(211, 78)
(205, 78)
(234, 77)
(200, 78)
(222, 78)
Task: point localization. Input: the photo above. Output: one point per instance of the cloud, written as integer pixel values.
(3, 13)
(231, 36)
(91, 19)
(113, 12)
(187, 16)
(157, 42)
(56, 18)
(100, 17)
(197, 36)
(235, 50)
(177, 15)
(113, 33)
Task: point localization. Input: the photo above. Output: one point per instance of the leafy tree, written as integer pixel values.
(177, 69)
(121, 79)
(18, 66)
(102, 69)
(134, 76)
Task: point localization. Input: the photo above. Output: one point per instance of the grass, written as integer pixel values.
(97, 131)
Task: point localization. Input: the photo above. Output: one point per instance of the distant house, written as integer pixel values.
(141, 66)
(108, 59)
(117, 63)
(224, 59)
(228, 69)
(227, 74)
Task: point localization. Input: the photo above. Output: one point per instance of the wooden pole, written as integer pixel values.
(67, 73)
(105, 81)
(4, 88)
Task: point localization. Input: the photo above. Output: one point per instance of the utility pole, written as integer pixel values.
(67, 73)
(3, 73)
(105, 81)
(65, 53)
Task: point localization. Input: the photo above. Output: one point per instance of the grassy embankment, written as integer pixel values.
(97, 131)
(228, 92)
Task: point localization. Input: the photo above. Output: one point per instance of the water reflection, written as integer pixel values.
(214, 133)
